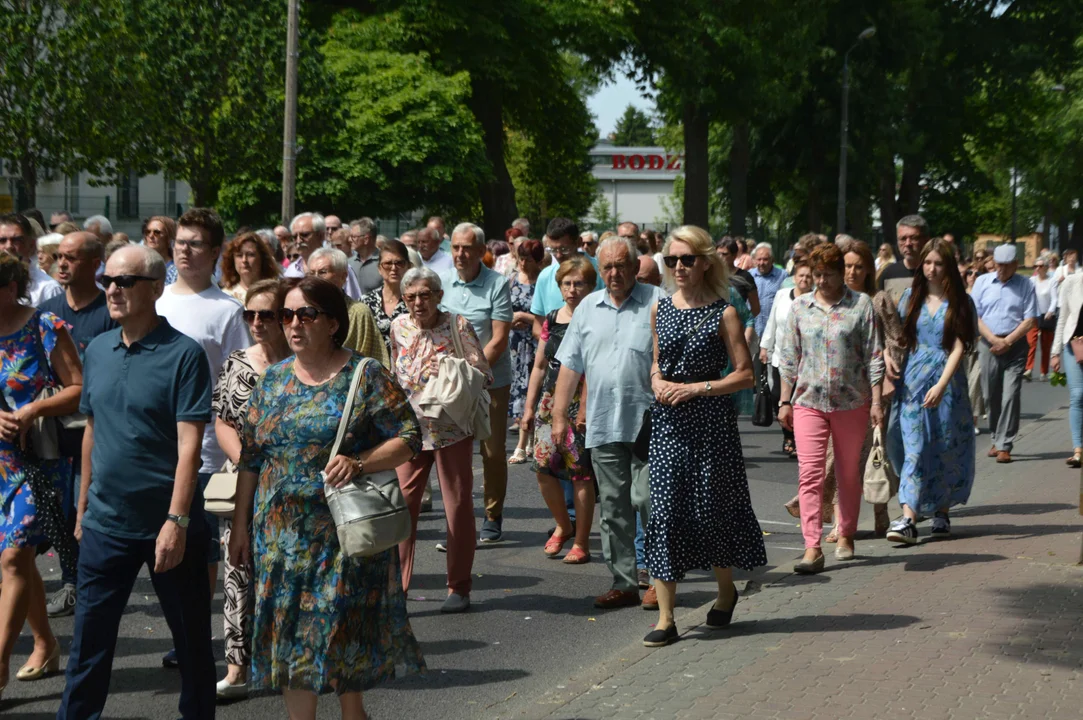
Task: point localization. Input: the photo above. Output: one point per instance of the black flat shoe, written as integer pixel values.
(722, 618)
(661, 638)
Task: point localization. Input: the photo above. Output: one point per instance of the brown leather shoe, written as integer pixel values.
(1004, 457)
(617, 599)
(993, 452)
(650, 599)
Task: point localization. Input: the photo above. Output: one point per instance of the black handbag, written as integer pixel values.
(763, 415)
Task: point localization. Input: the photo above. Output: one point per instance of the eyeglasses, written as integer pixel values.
(560, 251)
(193, 245)
(124, 282)
(321, 273)
(267, 316)
(686, 260)
(389, 264)
(153, 231)
(305, 315)
(13, 240)
(573, 285)
(425, 295)
(294, 256)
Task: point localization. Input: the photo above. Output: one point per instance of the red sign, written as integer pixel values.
(648, 162)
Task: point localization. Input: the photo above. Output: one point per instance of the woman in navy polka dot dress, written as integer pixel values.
(701, 514)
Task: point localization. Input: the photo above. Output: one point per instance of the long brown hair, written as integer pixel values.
(268, 268)
(862, 250)
(959, 320)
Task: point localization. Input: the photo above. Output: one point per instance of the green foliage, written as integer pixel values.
(601, 214)
(633, 129)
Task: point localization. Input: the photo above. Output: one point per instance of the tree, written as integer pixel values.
(633, 129)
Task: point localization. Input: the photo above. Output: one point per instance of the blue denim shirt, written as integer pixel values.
(767, 286)
(1002, 306)
(614, 348)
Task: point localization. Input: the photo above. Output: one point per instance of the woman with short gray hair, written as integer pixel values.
(418, 342)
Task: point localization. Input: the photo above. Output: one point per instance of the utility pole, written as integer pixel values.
(289, 128)
(844, 130)
(1015, 193)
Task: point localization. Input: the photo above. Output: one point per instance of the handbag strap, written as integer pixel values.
(53, 380)
(347, 409)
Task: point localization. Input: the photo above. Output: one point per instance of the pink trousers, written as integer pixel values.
(456, 476)
(814, 429)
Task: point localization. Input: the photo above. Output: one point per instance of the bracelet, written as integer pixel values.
(876, 405)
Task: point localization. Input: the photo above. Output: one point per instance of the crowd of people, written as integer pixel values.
(136, 375)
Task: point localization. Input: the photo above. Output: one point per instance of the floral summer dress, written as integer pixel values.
(321, 617)
(523, 346)
(938, 464)
(23, 374)
(571, 462)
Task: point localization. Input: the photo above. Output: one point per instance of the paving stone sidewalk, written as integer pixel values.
(985, 624)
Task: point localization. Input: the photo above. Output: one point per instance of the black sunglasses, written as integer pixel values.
(306, 315)
(267, 316)
(123, 282)
(686, 260)
(294, 256)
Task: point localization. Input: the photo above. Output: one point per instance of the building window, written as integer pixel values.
(128, 195)
(171, 208)
(71, 193)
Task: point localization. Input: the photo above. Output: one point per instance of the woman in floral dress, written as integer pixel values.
(571, 462)
(522, 343)
(323, 621)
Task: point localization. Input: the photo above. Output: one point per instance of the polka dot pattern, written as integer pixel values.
(701, 513)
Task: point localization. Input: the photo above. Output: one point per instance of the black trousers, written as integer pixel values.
(108, 567)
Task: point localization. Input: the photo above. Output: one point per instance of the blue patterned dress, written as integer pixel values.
(938, 443)
(321, 617)
(23, 374)
(523, 346)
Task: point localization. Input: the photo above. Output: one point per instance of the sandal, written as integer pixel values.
(556, 544)
(518, 457)
(833, 536)
(789, 447)
(577, 556)
(1075, 461)
(793, 507)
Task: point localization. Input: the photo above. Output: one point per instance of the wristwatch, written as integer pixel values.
(707, 386)
(781, 403)
(181, 520)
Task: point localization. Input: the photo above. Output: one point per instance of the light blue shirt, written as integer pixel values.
(547, 295)
(767, 286)
(614, 348)
(1002, 306)
(482, 300)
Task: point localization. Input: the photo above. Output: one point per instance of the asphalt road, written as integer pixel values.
(532, 627)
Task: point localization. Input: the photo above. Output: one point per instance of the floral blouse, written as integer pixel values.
(417, 354)
(832, 356)
(375, 302)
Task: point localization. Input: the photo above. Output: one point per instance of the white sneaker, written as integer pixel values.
(977, 430)
(224, 690)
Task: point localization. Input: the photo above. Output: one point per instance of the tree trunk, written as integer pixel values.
(739, 159)
(497, 194)
(1077, 230)
(815, 207)
(888, 215)
(696, 126)
(910, 188)
(857, 217)
(1062, 233)
(28, 179)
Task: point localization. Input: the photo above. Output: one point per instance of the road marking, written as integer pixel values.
(776, 522)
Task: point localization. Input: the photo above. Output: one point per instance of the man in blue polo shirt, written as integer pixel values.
(83, 308)
(562, 238)
(1007, 308)
(484, 298)
(147, 398)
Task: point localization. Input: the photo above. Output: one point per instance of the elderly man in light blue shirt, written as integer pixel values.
(1007, 308)
(484, 298)
(610, 341)
(768, 281)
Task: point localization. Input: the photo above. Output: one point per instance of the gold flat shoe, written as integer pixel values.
(52, 665)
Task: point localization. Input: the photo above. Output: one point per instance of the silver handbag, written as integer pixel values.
(370, 512)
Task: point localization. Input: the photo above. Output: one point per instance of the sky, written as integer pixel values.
(608, 104)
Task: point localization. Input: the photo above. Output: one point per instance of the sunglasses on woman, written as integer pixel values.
(305, 315)
(686, 260)
(267, 316)
(124, 282)
(294, 256)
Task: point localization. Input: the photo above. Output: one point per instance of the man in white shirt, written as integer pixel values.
(17, 237)
(432, 257)
(309, 232)
(195, 306)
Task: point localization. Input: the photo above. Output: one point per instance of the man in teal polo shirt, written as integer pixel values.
(147, 398)
(611, 342)
(484, 298)
(563, 242)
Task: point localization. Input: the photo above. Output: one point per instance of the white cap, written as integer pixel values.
(1004, 254)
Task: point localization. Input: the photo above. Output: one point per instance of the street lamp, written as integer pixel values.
(840, 219)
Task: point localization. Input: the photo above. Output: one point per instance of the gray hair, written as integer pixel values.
(588, 234)
(269, 237)
(914, 221)
(153, 262)
(522, 224)
(318, 224)
(764, 246)
(408, 233)
(338, 259)
(616, 240)
(464, 228)
(104, 226)
(417, 275)
(366, 225)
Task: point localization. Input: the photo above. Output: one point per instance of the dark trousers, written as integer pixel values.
(108, 567)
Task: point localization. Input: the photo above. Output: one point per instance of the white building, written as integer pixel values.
(635, 181)
(126, 202)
